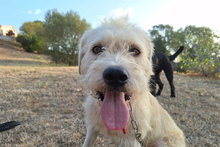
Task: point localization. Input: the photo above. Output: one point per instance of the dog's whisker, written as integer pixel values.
(93, 95)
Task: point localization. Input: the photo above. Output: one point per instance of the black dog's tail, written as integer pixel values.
(172, 57)
(8, 125)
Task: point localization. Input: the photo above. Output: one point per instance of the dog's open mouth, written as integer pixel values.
(101, 96)
(114, 110)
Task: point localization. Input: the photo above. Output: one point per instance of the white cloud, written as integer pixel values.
(37, 11)
(120, 12)
(29, 12)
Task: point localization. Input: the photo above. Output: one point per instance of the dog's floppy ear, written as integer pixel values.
(81, 54)
(150, 47)
(80, 61)
(150, 51)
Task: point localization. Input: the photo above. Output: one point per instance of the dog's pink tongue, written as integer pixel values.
(114, 111)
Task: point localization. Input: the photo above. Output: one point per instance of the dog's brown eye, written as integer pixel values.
(97, 49)
(135, 51)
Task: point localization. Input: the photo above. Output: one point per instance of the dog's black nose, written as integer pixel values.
(115, 76)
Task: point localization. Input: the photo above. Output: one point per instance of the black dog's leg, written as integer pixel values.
(172, 88)
(169, 74)
(153, 85)
(160, 84)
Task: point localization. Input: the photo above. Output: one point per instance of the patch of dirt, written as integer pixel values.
(11, 54)
(48, 103)
(195, 109)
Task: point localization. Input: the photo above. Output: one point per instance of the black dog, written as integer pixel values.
(162, 62)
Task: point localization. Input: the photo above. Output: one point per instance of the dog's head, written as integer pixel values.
(115, 60)
(115, 43)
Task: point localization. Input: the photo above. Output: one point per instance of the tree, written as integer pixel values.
(63, 32)
(27, 41)
(35, 27)
(202, 53)
(162, 36)
(33, 30)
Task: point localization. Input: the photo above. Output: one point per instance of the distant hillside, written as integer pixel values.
(12, 54)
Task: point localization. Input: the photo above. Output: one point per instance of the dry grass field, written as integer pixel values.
(47, 100)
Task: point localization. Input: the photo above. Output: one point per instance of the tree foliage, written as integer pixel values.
(57, 36)
(35, 27)
(27, 41)
(202, 53)
(63, 31)
(32, 37)
(161, 37)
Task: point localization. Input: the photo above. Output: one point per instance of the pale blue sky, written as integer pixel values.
(146, 13)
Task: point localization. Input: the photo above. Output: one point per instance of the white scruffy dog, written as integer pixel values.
(115, 65)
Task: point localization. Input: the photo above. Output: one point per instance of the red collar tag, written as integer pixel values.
(124, 131)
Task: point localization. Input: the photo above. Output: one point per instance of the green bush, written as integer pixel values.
(27, 41)
(179, 67)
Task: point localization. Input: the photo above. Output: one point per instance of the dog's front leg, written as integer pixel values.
(91, 136)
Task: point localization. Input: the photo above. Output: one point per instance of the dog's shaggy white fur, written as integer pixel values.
(126, 46)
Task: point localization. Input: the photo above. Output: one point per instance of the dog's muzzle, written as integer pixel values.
(115, 76)
(114, 110)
